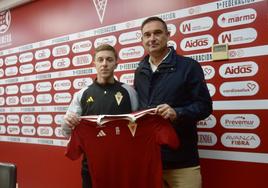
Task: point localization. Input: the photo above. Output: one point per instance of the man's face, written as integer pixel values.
(105, 64)
(154, 37)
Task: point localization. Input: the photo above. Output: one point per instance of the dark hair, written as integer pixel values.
(105, 47)
(154, 18)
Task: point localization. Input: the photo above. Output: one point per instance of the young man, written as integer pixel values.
(104, 96)
(176, 86)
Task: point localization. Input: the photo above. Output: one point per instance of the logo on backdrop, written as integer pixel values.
(100, 6)
(5, 20)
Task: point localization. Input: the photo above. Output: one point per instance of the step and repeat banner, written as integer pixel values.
(46, 54)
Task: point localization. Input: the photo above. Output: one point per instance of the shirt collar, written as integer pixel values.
(153, 66)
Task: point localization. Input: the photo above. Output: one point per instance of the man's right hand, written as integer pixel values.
(71, 119)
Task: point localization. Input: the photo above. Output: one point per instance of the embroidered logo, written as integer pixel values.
(100, 6)
(101, 133)
(90, 99)
(132, 127)
(118, 96)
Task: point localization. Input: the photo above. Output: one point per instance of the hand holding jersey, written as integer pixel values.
(104, 96)
(71, 119)
(166, 112)
(123, 153)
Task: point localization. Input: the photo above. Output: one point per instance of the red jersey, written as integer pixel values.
(121, 153)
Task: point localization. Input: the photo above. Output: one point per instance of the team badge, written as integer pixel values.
(132, 127)
(118, 96)
(100, 6)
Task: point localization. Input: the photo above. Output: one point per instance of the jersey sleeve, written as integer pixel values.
(74, 107)
(166, 135)
(133, 97)
(74, 150)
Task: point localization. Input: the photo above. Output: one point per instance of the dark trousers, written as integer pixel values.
(86, 179)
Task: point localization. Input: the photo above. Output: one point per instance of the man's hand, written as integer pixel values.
(71, 119)
(166, 112)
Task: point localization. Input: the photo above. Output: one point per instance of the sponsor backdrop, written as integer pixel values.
(46, 55)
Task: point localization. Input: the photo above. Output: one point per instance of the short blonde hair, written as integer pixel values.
(106, 47)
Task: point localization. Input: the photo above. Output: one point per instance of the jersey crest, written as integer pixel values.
(132, 127)
(118, 96)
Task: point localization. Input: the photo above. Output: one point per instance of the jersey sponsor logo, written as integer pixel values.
(101, 133)
(90, 99)
(118, 96)
(132, 127)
